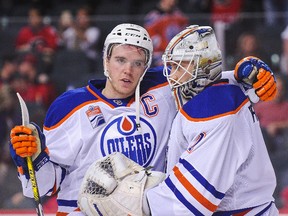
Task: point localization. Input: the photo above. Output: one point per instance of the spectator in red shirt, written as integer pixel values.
(163, 23)
(37, 33)
(38, 38)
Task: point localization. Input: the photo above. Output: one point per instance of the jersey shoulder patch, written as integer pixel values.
(215, 101)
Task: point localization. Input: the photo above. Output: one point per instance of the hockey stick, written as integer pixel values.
(25, 122)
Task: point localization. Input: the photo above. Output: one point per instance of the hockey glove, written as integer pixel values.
(26, 141)
(254, 74)
(116, 186)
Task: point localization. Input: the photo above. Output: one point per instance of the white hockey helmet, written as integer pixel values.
(130, 34)
(198, 48)
(135, 35)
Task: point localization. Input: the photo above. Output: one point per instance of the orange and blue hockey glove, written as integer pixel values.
(252, 72)
(26, 141)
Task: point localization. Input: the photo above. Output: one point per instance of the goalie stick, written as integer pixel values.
(25, 122)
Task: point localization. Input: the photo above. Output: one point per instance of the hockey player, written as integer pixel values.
(222, 165)
(217, 159)
(88, 123)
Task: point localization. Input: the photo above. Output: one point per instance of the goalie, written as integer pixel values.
(218, 163)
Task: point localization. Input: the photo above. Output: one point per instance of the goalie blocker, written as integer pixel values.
(115, 186)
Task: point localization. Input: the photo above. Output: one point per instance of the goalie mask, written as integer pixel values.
(192, 60)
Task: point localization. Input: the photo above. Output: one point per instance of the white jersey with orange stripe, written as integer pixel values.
(82, 125)
(222, 165)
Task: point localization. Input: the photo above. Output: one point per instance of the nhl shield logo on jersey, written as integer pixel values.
(121, 135)
(95, 116)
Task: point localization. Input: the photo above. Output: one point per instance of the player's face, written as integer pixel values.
(125, 67)
(181, 72)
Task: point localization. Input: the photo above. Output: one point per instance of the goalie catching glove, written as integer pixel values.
(255, 75)
(26, 141)
(115, 186)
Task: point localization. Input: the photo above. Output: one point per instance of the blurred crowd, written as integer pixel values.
(48, 47)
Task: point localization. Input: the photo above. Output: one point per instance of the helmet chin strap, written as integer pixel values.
(137, 101)
(137, 108)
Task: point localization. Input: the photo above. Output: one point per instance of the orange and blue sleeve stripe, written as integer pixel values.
(191, 189)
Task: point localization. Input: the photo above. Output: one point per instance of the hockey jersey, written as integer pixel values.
(82, 125)
(222, 165)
